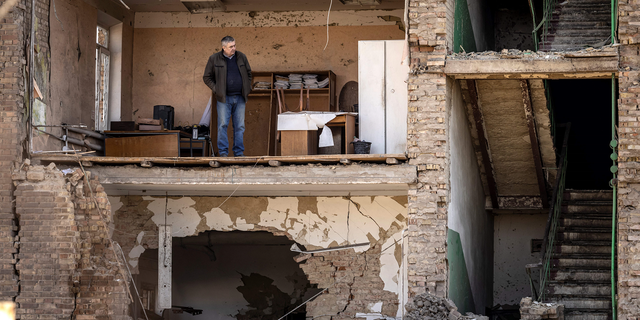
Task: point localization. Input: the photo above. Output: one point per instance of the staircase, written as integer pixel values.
(577, 24)
(581, 264)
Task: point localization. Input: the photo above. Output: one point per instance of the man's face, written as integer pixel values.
(229, 49)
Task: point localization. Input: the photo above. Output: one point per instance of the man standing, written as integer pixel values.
(228, 74)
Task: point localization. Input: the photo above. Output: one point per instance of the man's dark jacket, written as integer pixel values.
(215, 75)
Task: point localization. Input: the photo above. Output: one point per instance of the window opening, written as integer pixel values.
(103, 61)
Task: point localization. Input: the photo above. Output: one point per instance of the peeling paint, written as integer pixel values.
(320, 222)
(268, 19)
(180, 214)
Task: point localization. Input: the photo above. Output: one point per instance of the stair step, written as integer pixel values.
(560, 48)
(585, 304)
(595, 32)
(578, 289)
(587, 316)
(579, 42)
(600, 16)
(558, 25)
(577, 222)
(583, 249)
(583, 236)
(592, 263)
(584, 229)
(583, 243)
(579, 276)
(584, 208)
(582, 11)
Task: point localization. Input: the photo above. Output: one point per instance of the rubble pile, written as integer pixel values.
(430, 307)
(539, 55)
(534, 310)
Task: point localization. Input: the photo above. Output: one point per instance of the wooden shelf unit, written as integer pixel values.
(261, 112)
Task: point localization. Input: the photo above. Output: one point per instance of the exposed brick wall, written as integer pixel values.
(66, 263)
(12, 64)
(102, 276)
(629, 184)
(628, 14)
(427, 146)
(628, 237)
(353, 283)
(47, 244)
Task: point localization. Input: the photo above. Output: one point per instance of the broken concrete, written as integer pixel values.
(534, 310)
(428, 306)
(514, 64)
(357, 279)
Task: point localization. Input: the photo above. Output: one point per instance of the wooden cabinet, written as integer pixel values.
(261, 112)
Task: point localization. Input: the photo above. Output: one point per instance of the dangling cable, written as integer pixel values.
(328, 14)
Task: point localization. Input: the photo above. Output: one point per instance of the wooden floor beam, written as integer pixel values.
(533, 138)
(484, 144)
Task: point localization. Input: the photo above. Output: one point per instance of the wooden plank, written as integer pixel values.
(535, 145)
(484, 144)
(165, 145)
(206, 161)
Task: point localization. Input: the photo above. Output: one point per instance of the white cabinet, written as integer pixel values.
(382, 95)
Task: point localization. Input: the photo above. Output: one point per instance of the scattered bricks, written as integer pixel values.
(533, 310)
(428, 306)
(35, 174)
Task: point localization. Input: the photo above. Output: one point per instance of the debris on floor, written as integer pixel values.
(430, 307)
(604, 51)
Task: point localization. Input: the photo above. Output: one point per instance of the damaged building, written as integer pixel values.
(499, 179)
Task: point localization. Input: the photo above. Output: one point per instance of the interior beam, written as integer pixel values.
(533, 138)
(484, 144)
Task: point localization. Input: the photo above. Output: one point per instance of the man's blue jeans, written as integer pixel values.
(233, 108)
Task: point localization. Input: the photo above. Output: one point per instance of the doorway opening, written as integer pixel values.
(229, 275)
(587, 105)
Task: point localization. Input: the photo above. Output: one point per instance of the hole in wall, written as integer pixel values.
(230, 275)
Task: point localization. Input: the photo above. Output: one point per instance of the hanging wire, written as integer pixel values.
(328, 14)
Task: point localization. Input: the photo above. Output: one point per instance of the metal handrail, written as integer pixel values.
(545, 23)
(548, 243)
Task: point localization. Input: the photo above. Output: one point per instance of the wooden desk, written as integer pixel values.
(165, 143)
(348, 122)
(300, 142)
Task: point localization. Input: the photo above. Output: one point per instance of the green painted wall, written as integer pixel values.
(459, 285)
(462, 30)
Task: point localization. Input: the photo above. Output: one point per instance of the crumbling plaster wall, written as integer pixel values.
(512, 249)
(470, 234)
(70, 86)
(628, 204)
(249, 281)
(171, 50)
(362, 280)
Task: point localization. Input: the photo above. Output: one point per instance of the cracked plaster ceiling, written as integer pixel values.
(261, 5)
